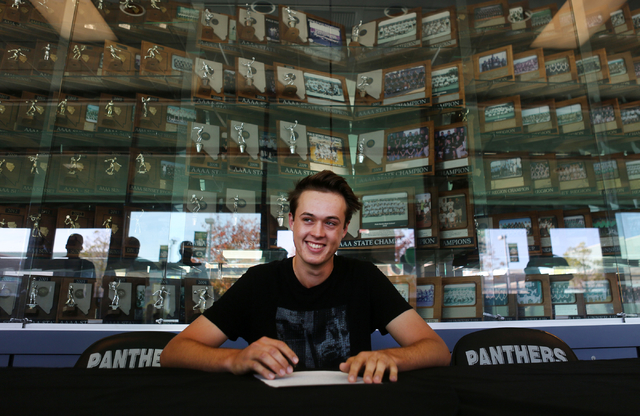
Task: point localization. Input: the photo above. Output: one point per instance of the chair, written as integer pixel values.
(510, 346)
(126, 350)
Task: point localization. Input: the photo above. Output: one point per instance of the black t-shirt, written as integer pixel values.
(324, 325)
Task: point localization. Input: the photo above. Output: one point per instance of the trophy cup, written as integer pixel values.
(199, 138)
(248, 77)
(290, 89)
(33, 302)
(241, 139)
(293, 137)
(154, 58)
(247, 31)
(361, 150)
(70, 305)
(205, 80)
(292, 33)
(282, 200)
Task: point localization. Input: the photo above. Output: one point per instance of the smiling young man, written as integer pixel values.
(313, 311)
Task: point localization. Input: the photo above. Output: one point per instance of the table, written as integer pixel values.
(580, 388)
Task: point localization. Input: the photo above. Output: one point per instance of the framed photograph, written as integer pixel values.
(243, 147)
(494, 65)
(577, 218)
(606, 224)
(410, 147)
(120, 60)
(561, 68)
(605, 117)
(447, 85)
(547, 221)
(573, 116)
(507, 173)
(534, 297)
(529, 68)
(406, 286)
(501, 116)
(77, 302)
(429, 298)
(207, 81)
(488, 15)
(519, 15)
(630, 117)
(542, 17)
(575, 175)
(407, 84)
(620, 21)
(115, 116)
(610, 173)
(602, 296)
(213, 28)
(328, 150)
(400, 30)
(440, 28)
(205, 153)
(528, 221)
(371, 152)
(426, 218)
(593, 67)
(453, 144)
(327, 38)
(567, 300)
(462, 299)
(455, 219)
(539, 118)
(622, 75)
(632, 168)
(324, 87)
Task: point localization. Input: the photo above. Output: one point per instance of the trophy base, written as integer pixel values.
(31, 311)
(292, 35)
(70, 310)
(290, 90)
(116, 66)
(208, 35)
(355, 48)
(114, 312)
(73, 66)
(27, 120)
(250, 90)
(108, 121)
(247, 33)
(12, 14)
(44, 66)
(204, 91)
(61, 119)
(152, 64)
(157, 15)
(11, 66)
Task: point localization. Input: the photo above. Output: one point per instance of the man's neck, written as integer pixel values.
(310, 276)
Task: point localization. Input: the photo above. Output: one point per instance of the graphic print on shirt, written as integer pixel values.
(320, 338)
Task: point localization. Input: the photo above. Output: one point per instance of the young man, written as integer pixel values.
(315, 310)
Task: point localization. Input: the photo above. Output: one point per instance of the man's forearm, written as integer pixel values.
(423, 353)
(187, 353)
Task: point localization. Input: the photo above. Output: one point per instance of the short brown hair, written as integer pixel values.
(325, 181)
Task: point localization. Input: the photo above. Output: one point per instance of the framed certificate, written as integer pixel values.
(462, 299)
(501, 116)
(429, 298)
(494, 65)
(406, 286)
(610, 173)
(455, 219)
(507, 173)
(606, 224)
(426, 218)
(527, 221)
(410, 147)
(447, 85)
(453, 144)
(573, 116)
(547, 221)
(593, 67)
(440, 28)
(605, 117)
(567, 300)
(488, 15)
(539, 119)
(575, 175)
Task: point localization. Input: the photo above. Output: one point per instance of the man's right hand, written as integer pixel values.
(268, 357)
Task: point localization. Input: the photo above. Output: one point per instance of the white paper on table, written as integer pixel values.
(309, 378)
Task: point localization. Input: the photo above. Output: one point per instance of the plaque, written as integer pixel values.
(46, 55)
(567, 298)
(326, 39)
(158, 11)
(9, 295)
(622, 75)
(161, 118)
(426, 218)
(120, 60)
(407, 84)
(602, 296)
(529, 70)
(131, 13)
(83, 59)
(213, 27)
(76, 300)
(9, 107)
(453, 143)
(243, 146)
(447, 86)
(12, 175)
(495, 66)
(251, 81)
(164, 65)
(507, 173)
(547, 221)
(161, 299)
(502, 116)
(251, 26)
(18, 59)
(488, 16)
(74, 218)
(440, 28)
(606, 224)
(610, 173)
(12, 217)
(592, 67)
(527, 221)
(519, 16)
(605, 117)
(206, 157)
(196, 201)
(114, 116)
(112, 168)
(462, 299)
(371, 152)
(42, 222)
(207, 81)
(112, 219)
(199, 296)
(240, 201)
(118, 302)
(76, 173)
(151, 174)
(455, 219)
(575, 175)
(71, 116)
(410, 149)
(31, 115)
(561, 70)
(402, 29)
(573, 116)
(42, 293)
(429, 298)
(406, 286)
(539, 119)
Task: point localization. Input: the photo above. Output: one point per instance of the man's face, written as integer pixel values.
(318, 226)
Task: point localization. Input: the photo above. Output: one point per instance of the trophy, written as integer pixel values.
(13, 13)
(207, 72)
(293, 137)
(117, 60)
(113, 166)
(247, 31)
(73, 167)
(199, 138)
(32, 111)
(111, 111)
(361, 150)
(203, 295)
(248, 77)
(129, 8)
(292, 33)
(241, 139)
(198, 203)
(282, 200)
(365, 81)
(157, 12)
(71, 222)
(154, 58)
(114, 294)
(355, 35)
(143, 167)
(161, 295)
(34, 164)
(74, 64)
(290, 89)
(36, 232)
(70, 305)
(33, 302)
(48, 59)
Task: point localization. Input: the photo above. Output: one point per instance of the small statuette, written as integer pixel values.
(203, 295)
(207, 72)
(17, 3)
(47, 52)
(361, 150)
(107, 223)
(34, 164)
(199, 138)
(152, 52)
(100, 5)
(77, 52)
(113, 52)
(196, 202)
(62, 107)
(142, 166)
(209, 18)
(161, 294)
(145, 107)
(236, 200)
(282, 200)
(290, 88)
(241, 141)
(365, 81)
(33, 293)
(113, 166)
(35, 230)
(71, 222)
(115, 298)
(293, 137)
(355, 32)
(248, 77)
(292, 20)
(70, 304)
(15, 54)
(32, 108)
(108, 109)
(154, 4)
(74, 166)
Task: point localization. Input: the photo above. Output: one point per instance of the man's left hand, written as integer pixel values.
(373, 364)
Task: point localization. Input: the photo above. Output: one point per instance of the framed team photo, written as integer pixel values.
(544, 179)
(573, 116)
(621, 22)
(575, 175)
(328, 150)
(447, 85)
(462, 299)
(496, 64)
(632, 169)
(602, 296)
(593, 67)
(534, 297)
(606, 224)
(547, 221)
(407, 83)
(401, 29)
(539, 118)
(622, 75)
(542, 17)
(507, 173)
(410, 147)
(453, 144)
(529, 68)
(501, 116)
(488, 14)
(429, 298)
(561, 68)
(426, 218)
(566, 301)
(324, 87)
(406, 286)
(577, 218)
(440, 28)
(605, 117)
(610, 173)
(455, 219)
(527, 221)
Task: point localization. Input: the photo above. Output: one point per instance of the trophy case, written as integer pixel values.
(145, 163)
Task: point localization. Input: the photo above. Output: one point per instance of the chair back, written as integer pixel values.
(126, 350)
(510, 346)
